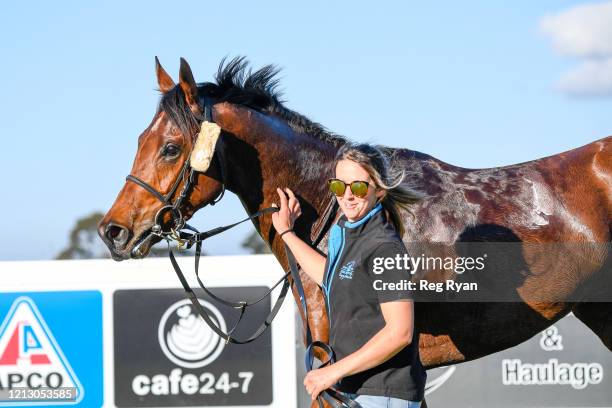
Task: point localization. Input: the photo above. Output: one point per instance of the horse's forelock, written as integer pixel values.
(174, 104)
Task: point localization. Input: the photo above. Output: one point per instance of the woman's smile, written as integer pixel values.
(352, 206)
(353, 210)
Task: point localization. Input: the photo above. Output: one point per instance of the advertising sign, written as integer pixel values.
(565, 365)
(51, 348)
(166, 355)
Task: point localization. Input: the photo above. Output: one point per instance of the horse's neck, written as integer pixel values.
(263, 153)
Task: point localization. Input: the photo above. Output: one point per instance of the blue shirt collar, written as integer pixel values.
(365, 218)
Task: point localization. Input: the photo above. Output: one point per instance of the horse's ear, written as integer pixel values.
(188, 85)
(164, 81)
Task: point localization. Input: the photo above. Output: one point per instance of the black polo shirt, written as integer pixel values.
(353, 304)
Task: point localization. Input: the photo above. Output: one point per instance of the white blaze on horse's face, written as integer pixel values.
(352, 206)
(204, 147)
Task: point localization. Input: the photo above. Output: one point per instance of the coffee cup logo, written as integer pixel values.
(186, 339)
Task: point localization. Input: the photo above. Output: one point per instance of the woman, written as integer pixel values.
(371, 326)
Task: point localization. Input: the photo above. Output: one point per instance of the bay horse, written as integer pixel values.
(264, 145)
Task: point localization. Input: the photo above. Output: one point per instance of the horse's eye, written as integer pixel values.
(171, 150)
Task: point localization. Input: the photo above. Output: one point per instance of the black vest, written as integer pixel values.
(353, 304)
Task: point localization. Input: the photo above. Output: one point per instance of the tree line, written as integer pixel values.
(84, 242)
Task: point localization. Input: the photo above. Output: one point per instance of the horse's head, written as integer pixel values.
(161, 167)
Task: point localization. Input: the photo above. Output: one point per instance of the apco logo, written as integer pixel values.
(186, 339)
(29, 355)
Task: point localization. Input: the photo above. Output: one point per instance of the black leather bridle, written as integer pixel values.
(174, 208)
(186, 236)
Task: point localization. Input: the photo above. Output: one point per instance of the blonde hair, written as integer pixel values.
(387, 175)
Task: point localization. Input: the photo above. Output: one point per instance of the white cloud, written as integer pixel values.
(591, 78)
(584, 32)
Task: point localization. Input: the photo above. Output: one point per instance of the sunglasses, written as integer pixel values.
(358, 188)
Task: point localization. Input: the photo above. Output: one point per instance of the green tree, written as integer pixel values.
(84, 242)
(255, 244)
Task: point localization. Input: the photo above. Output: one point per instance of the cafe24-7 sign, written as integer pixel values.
(165, 355)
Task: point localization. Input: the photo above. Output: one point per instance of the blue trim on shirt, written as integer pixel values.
(330, 276)
(369, 215)
(335, 245)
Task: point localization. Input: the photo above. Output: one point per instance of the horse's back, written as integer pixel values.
(560, 197)
(581, 179)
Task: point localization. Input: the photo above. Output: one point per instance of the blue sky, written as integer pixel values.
(475, 84)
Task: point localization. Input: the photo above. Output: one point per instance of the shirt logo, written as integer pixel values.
(346, 272)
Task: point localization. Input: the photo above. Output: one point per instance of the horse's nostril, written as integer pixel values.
(117, 234)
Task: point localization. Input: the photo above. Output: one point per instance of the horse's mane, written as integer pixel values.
(236, 83)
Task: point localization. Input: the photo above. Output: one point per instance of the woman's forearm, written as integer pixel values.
(312, 262)
(381, 347)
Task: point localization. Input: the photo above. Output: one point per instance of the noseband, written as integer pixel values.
(185, 239)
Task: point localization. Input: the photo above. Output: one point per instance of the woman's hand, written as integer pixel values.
(321, 379)
(311, 261)
(289, 210)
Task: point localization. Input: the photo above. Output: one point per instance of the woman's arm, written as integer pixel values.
(312, 262)
(388, 341)
(394, 336)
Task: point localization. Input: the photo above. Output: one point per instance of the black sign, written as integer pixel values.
(166, 355)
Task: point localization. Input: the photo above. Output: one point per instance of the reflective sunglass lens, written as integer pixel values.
(359, 188)
(337, 187)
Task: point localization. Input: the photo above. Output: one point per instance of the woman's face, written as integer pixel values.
(355, 207)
